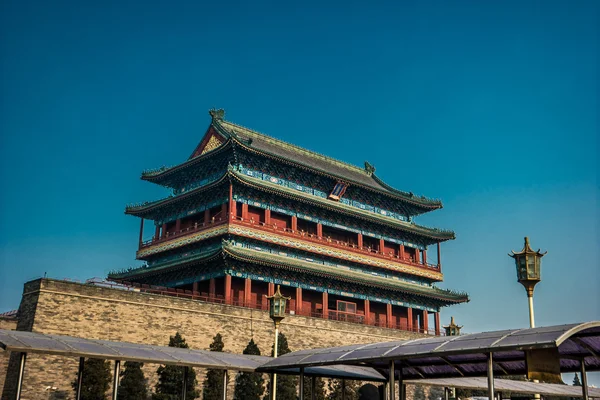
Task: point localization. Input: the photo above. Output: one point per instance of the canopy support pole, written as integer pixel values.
(301, 383)
(184, 384)
(392, 378)
(446, 397)
(225, 385)
(116, 379)
(490, 371)
(584, 384)
(343, 389)
(401, 392)
(313, 388)
(79, 378)
(22, 357)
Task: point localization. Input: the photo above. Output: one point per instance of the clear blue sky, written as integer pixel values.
(491, 106)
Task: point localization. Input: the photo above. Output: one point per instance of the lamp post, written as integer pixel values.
(277, 304)
(528, 263)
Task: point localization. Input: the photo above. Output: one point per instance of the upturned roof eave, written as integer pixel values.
(242, 255)
(188, 163)
(342, 207)
(145, 272)
(426, 204)
(167, 200)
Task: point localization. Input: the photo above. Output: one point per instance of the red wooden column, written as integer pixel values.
(232, 205)
(212, 288)
(360, 241)
(294, 223)
(247, 291)
(389, 315)
(141, 232)
(417, 256)
(233, 211)
(156, 232)
(299, 300)
(206, 217)
(195, 286)
(410, 318)
(271, 289)
(401, 252)
(178, 225)
(381, 245)
(163, 233)
(437, 323)
(223, 214)
(325, 305)
(439, 256)
(367, 312)
(244, 211)
(319, 231)
(267, 217)
(228, 289)
(425, 321)
(424, 257)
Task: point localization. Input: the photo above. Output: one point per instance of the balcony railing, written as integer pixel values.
(334, 243)
(312, 237)
(333, 315)
(197, 227)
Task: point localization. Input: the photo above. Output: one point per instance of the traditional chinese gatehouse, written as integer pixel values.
(248, 212)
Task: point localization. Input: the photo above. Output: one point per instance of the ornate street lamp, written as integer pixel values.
(277, 304)
(528, 264)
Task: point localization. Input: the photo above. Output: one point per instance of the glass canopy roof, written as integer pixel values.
(460, 356)
(30, 342)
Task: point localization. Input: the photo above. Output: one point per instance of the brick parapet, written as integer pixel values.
(68, 308)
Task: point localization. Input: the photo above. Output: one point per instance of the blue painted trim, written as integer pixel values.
(267, 206)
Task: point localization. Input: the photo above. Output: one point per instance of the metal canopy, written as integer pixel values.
(460, 356)
(507, 385)
(30, 342)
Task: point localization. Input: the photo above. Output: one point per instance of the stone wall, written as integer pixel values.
(10, 324)
(67, 308)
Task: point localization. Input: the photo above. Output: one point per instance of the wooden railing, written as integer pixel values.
(197, 227)
(312, 237)
(333, 315)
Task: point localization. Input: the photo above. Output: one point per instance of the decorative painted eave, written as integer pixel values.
(145, 270)
(277, 261)
(431, 233)
(137, 209)
(227, 128)
(159, 175)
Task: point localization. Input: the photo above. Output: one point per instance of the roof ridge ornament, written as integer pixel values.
(369, 168)
(217, 114)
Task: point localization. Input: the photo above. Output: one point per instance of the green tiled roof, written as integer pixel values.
(286, 152)
(345, 274)
(337, 206)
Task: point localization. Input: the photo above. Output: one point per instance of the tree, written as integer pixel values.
(249, 385)
(576, 381)
(286, 384)
(96, 379)
(213, 383)
(170, 377)
(419, 393)
(133, 382)
(335, 390)
(319, 388)
(368, 391)
(436, 393)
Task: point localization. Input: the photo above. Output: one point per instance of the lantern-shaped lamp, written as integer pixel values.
(277, 305)
(528, 263)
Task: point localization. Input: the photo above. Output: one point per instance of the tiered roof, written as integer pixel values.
(434, 234)
(239, 137)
